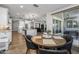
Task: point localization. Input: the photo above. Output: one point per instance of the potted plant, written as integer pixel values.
(48, 31)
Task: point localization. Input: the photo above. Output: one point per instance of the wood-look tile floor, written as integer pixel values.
(18, 44)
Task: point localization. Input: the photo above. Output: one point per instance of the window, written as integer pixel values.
(56, 26)
(72, 24)
(57, 23)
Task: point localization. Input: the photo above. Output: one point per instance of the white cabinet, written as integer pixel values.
(32, 32)
(3, 16)
(5, 35)
(5, 39)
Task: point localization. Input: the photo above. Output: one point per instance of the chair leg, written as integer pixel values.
(37, 51)
(27, 51)
(69, 51)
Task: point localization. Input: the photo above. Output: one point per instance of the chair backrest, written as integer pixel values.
(47, 51)
(67, 38)
(29, 43)
(69, 41)
(68, 45)
(27, 39)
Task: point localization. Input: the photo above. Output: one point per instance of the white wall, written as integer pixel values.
(49, 22)
(3, 16)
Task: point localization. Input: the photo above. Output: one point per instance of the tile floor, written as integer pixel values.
(18, 45)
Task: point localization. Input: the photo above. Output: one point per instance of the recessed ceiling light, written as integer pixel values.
(21, 6)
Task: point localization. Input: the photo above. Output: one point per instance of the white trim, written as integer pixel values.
(57, 18)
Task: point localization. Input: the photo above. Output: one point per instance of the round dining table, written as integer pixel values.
(48, 43)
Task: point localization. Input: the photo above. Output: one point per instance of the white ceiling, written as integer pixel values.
(16, 11)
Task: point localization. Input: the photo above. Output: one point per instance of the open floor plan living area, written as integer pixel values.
(39, 29)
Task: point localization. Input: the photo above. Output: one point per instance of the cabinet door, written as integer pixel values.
(3, 16)
(4, 37)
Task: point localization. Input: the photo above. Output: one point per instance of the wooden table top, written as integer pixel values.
(38, 40)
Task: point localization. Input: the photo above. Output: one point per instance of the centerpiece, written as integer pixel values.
(47, 34)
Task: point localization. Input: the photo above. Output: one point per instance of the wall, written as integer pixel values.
(49, 22)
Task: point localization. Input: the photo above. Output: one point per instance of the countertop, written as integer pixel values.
(4, 30)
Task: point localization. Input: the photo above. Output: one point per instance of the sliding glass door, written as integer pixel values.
(57, 24)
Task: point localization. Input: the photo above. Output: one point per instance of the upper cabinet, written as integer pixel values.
(3, 16)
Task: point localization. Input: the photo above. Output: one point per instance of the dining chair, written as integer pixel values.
(29, 43)
(2, 51)
(49, 51)
(68, 45)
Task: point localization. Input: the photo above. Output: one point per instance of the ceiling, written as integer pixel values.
(16, 11)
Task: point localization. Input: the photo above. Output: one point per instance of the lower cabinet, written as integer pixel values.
(5, 39)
